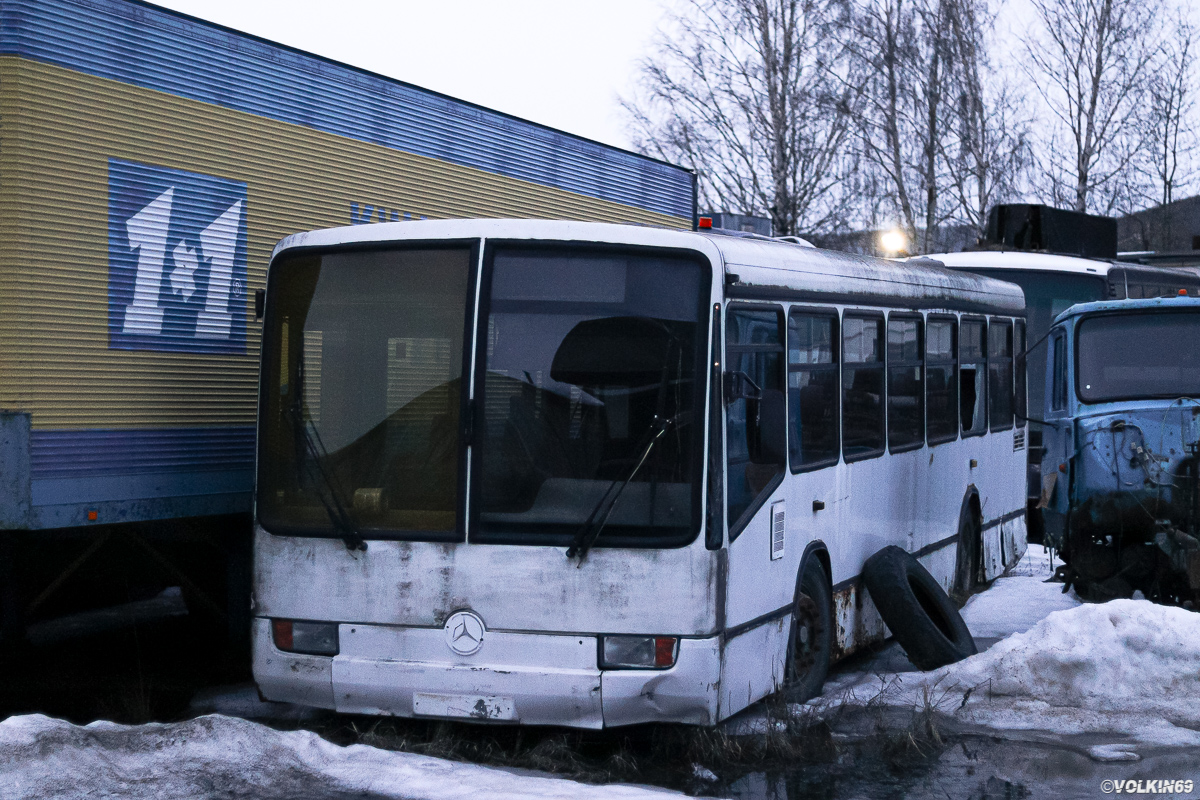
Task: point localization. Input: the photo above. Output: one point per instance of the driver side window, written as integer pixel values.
(754, 409)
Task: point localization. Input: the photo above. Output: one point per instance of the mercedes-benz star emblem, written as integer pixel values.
(464, 632)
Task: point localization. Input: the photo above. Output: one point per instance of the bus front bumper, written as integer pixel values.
(528, 678)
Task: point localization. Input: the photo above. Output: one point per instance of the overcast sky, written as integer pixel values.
(562, 63)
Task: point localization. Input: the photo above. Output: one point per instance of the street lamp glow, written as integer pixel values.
(894, 241)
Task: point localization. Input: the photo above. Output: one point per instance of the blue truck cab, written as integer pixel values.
(1122, 434)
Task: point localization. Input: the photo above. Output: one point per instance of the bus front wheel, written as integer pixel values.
(810, 643)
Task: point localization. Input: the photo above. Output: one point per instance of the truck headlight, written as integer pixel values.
(638, 652)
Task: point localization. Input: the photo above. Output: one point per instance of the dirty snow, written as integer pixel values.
(226, 757)
(1020, 599)
(1128, 670)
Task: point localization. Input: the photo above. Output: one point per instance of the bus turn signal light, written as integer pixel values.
(638, 652)
(309, 638)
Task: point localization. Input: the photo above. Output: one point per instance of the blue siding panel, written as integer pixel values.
(89, 453)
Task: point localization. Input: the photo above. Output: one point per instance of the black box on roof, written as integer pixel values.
(1023, 226)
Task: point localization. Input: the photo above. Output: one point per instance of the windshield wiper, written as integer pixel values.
(341, 519)
(596, 521)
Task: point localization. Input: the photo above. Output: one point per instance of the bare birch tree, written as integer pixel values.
(754, 95)
(930, 128)
(1090, 60)
(988, 156)
(1173, 113)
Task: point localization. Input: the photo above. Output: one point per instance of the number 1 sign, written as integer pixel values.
(176, 260)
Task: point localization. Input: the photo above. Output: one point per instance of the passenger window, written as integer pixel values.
(812, 389)
(1058, 401)
(906, 390)
(1020, 366)
(754, 409)
(1000, 375)
(941, 379)
(862, 387)
(972, 388)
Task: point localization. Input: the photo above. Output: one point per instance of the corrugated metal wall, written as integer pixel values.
(134, 225)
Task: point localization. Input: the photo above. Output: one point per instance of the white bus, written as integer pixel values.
(594, 475)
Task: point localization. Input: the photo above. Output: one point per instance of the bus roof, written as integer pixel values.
(1018, 259)
(755, 267)
(1151, 304)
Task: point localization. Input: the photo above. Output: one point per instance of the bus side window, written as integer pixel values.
(756, 444)
(1058, 396)
(862, 386)
(941, 379)
(812, 389)
(1020, 366)
(972, 366)
(905, 389)
(1000, 375)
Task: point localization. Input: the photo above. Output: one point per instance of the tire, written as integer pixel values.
(920, 615)
(969, 558)
(810, 642)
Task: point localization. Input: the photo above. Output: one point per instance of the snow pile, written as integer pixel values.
(216, 756)
(1020, 599)
(1124, 667)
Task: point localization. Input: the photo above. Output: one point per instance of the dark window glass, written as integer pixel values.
(862, 387)
(1021, 367)
(1135, 356)
(1000, 375)
(906, 392)
(1058, 400)
(1047, 294)
(972, 377)
(754, 411)
(363, 356)
(941, 378)
(812, 389)
(586, 408)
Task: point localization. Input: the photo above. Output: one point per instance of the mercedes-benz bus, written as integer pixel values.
(594, 475)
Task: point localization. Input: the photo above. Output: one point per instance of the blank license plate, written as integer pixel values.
(464, 706)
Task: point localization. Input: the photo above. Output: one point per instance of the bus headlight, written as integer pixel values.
(310, 638)
(641, 652)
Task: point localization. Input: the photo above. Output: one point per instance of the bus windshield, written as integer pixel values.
(1123, 357)
(1047, 294)
(586, 368)
(589, 398)
(361, 391)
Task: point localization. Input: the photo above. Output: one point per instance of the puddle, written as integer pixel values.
(980, 768)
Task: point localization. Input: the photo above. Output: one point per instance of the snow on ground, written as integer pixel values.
(1128, 669)
(218, 756)
(1020, 599)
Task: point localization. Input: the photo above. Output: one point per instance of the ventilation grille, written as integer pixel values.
(1018, 439)
(777, 528)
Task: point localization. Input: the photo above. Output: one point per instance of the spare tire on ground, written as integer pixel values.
(920, 615)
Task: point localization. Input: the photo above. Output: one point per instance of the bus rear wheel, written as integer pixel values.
(810, 644)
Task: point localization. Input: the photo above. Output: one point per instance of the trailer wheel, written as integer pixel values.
(810, 643)
(920, 615)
